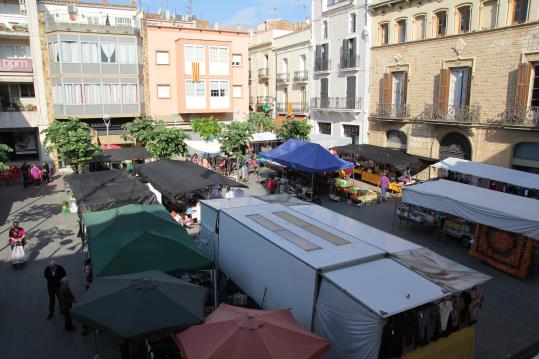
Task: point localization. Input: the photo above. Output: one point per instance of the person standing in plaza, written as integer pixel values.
(384, 185)
(36, 174)
(53, 274)
(25, 171)
(17, 235)
(66, 303)
(88, 277)
(45, 172)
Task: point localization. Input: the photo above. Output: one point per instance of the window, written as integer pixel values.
(92, 93)
(321, 57)
(193, 53)
(161, 58)
(218, 55)
(70, 51)
(219, 88)
(441, 23)
(15, 51)
(324, 128)
(459, 88)
(401, 30)
(127, 53)
(129, 93)
(73, 94)
(302, 62)
(520, 11)
(384, 33)
(112, 93)
(399, 89)
(195, 88)
(163, 91)
(236, 60)
(324, 29)
(353, 22)
(420, 27)
(27, 90)
(90, 52)
(54, 52)
(108, 52)
(123, 21)
(488, 14)
(58, 94)
(92, 20)
(534, 102)
(237, 91)
(284, 66)
(463, 18)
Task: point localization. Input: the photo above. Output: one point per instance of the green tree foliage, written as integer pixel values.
(206, 127)
(4, 150)
(235, 138)
(72, 140)
(140, 130)
(297, 129)
(260, 122)
(167, 142)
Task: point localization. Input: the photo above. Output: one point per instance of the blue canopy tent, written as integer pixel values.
(306, 156)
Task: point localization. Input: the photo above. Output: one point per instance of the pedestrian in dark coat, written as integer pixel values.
(53, 274)
(66, 303)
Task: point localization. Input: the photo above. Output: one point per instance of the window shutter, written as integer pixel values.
(317, 56)
(522, 87)
(388, 82)
(405, 88)
(443, 89)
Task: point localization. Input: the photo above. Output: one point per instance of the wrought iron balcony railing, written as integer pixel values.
(301, 76)
(337, 103)
(468, 114)
(348, 62)
(283, 78)
(321, 64)
(518, 116)
(98, 24)
(392, 111)
(263, 72)
(297, 107)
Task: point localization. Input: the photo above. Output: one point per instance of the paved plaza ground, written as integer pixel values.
(508, 321)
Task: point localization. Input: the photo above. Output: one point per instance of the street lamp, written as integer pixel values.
(106, 120)
(175, 115)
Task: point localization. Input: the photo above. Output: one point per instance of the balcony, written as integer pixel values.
(301, 76)
(521, 117)
(391, 111)
(297, 107)
(341, 104)
(349, 62)
(322, 65)
(283, 78)
(13, 25)
(260, 100)
(94, 24)
(263, 73)
(468, 114)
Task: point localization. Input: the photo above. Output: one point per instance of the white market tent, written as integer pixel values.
(263, 137)
(212, 147)
(496, 173)
(341, 278)
(330, 141)
(491, 208)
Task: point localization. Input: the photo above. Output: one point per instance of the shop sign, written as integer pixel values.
(15, 65)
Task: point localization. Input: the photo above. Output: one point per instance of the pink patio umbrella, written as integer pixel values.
(235, 333)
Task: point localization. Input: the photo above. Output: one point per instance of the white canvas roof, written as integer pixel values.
(380, 239)
(213, 146)
(318, 250)
(222, 203)
(402, 289)
(497, 173)
(263, 137)
(329, 141)
(496, 209)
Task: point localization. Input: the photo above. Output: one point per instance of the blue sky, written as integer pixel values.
(243, 12)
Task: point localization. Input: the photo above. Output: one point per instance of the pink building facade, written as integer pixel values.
(194, 73)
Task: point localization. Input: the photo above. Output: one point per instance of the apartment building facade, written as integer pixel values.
(457, 78)
(339, 86)
(196, 72)
(292, 75)
(21, 100)
(95, 64)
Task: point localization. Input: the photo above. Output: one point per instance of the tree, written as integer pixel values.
(72, 139)
(235, 138)
(297, 129)
(206, 127)
(166, 142)
(4, 150)
(260, 122)
(140, 130)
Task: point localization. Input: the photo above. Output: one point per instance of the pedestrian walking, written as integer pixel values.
(246, 170)
(36, 174)
(53, 274)
(25, 172)
(45, 172)
(66, 303)
(17, 241)
(384, 185)
(88, 277)
(271, 185)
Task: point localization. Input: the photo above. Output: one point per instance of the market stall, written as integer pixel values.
(508, 223)
(346, 282)
(97, 191)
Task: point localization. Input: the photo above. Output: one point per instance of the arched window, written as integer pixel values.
(464, 17)
(455, 145)
(396, 139)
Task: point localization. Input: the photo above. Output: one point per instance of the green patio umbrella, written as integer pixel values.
(139, 305)
(137, 238)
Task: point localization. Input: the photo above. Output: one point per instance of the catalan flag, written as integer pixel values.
(195, 71)
(289, 109)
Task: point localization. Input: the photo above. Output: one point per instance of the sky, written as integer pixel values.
(233, 12)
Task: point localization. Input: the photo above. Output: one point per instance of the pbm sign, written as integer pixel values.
(15, 65)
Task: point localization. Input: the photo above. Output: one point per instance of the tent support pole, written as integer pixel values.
(312, 183)
(395, 213)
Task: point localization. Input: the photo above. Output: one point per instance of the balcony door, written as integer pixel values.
(459, 88)
(351, 92)
(324, 94)
(399, 89)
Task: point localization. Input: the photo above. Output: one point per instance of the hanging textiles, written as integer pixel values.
(506, 251)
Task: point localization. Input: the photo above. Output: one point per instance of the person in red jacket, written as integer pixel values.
(271, 185)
